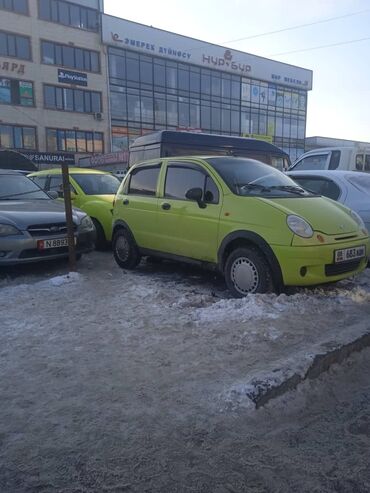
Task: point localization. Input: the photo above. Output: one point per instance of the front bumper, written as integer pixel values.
(22, 249)
(311, 265)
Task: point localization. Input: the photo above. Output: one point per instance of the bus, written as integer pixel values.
(167, 143)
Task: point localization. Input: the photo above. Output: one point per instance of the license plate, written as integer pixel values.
(55, 243)
(349, 254)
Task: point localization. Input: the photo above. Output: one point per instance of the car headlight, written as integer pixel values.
(299, 226)
(358, 219)
(8, 230)
(86, 224)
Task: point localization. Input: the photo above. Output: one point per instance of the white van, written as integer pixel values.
(353, 158)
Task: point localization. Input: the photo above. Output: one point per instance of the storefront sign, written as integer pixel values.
(145, 39)
(69, 77)
(14, 67)
(50, 157)
(103, 159)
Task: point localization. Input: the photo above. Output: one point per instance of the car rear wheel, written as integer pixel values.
(247, 271)
(125, 250)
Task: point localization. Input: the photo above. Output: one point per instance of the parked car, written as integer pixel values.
(350, 158)
(33, 225)
(92, 191)
(351, 188)
(240, 216)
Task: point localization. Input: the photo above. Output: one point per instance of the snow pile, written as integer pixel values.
(57, 281)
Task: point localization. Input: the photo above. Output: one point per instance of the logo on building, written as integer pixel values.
(227, 61)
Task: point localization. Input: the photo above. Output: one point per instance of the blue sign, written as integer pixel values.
(69, 77)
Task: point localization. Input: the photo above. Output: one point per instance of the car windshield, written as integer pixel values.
(251, 177)
(96, 184)
(362, 182)
(19, 187)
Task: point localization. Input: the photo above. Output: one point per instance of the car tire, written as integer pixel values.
(247, 272)
(100, 242)
(125, 250)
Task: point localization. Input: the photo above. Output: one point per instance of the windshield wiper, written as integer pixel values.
(289, 188)
(253, 186)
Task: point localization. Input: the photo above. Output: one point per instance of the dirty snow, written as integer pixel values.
(136, 381)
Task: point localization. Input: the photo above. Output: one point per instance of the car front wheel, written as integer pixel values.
(247, 271)
(125, 250)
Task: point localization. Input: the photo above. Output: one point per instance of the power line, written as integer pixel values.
(291, 28)
(321, 46)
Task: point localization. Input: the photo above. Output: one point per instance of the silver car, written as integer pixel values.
(33, 225)
(351, 188)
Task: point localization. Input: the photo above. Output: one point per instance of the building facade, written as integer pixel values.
(53, 91)
(75, 82)
(161, 80)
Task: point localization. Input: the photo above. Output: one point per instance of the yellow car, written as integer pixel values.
(91, 190)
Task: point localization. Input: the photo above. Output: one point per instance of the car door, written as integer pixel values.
(139, 201)
(186, 228)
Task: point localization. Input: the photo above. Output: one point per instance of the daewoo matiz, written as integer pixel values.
(240, 216)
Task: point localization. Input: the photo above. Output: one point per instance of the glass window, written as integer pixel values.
(20, 187)
(96, 183)
(132, 69)
(117, 66)
(184, 114)
(68, 56)
(68, 14)
(56, 183)
(40, 181)
(320, 186)
(184, 81)
(78, 58)
(317, 161)
(143, 181)
(51, 140)
(29, 138)
(75, 18)
(359, 162)
(63, 13)
(194, 81)
(146, 72)
(205, 117)
(206, 82)
(78, 100)
(160, 110)
(159, 74)
(19, 6)
(49, 97)
(211, 193)
(6, 136)
(194, 113)
(225, 120)
(226, 88)
(15, 46)
(215, 118)
(216, 85)
(334, 160)
(180, 179)
(172, 114)
(18, 137)
(171, 76)
(367, 162)
(14, 91)
(81, 141)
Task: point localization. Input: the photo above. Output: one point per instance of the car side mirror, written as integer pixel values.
(196, 194)
(73, 195)
(53, 194)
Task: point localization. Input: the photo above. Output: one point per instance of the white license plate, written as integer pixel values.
(348, 254)
(55, 243)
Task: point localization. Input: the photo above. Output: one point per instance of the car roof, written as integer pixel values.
(329, 173)
(58, 171)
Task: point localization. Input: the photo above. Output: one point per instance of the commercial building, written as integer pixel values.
(53, 89)
(75, 82)
(161, 80)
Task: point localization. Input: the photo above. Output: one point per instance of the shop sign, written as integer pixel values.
(69, 77)
(14, 67)
(226, 62)
(103, 159)
(50, 157)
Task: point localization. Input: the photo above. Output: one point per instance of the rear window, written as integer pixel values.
(96, 184)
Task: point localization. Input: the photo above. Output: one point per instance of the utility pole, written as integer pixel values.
(69, 218)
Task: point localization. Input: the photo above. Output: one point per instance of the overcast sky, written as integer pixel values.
(339, 104)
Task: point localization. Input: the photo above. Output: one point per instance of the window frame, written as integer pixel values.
(195, 167)
(27, 13)
(63, 131)
(138, 169)
(16, 35)
(33, 105)
(69, 6)
(73, 89)
(13, 126)
(56, 45)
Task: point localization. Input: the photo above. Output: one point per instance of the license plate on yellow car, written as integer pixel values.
(348, 254)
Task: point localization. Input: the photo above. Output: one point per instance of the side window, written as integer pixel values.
(143, 180)
(56, 183)
(40, 181)
(211, 194)
(367, 162)
(359, 162)
(334, 160)
(180, 179)
(317, 161)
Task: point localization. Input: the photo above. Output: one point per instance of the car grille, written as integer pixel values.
(49, 229)
(337, 269)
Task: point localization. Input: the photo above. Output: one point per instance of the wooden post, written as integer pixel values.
(69, 218)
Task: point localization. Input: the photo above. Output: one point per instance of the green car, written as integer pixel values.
(244, 218)
(91, 190)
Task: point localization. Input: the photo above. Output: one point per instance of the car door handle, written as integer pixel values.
(166, 206)
(126, 202)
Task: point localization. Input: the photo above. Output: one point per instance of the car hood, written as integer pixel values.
(22, 213)
(324, 215)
